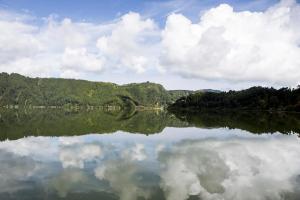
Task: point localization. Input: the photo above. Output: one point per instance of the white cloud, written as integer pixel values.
(73, 49)
(17, 39)
(236, 46)
(126, 46)
(79, 59)
(39, 50)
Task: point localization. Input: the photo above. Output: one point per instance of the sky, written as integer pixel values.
(182, 44)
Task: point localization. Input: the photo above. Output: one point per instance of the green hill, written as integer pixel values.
(19, 90)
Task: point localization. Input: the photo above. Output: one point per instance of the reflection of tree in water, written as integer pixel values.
(16, 124)
(55, 122)
(255, 122)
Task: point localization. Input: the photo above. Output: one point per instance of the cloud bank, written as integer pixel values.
(235, 46)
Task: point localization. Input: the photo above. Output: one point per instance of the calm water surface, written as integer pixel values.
(149, 155)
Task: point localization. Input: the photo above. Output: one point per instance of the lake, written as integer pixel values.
(58, 154)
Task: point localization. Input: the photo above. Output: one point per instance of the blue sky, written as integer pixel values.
(104, 10)
(182, 44)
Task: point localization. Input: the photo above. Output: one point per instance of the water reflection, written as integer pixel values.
(231, 169)
(253, 121)
(16, 124)
(178, 164)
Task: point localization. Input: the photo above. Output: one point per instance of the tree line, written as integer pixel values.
(254, 98)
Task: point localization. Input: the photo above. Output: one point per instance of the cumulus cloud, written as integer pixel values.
(17, 39)
(126, 46)
(74, 60)
(72, 49)
(18, 42)
(236, 46)
(43, 50)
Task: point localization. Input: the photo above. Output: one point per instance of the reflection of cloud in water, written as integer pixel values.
(124, 174)
(30, 146)
(65, 141)
(231, 169)
(211, 165)
(68, 180)
(123, 177)
(75, 156)
(137, 152)
(14, 169)
(159, 148)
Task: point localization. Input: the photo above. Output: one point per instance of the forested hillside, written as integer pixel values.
(255, 98)
(19, 90)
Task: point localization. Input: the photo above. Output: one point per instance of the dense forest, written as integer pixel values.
(255, 98)
(23, 91)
